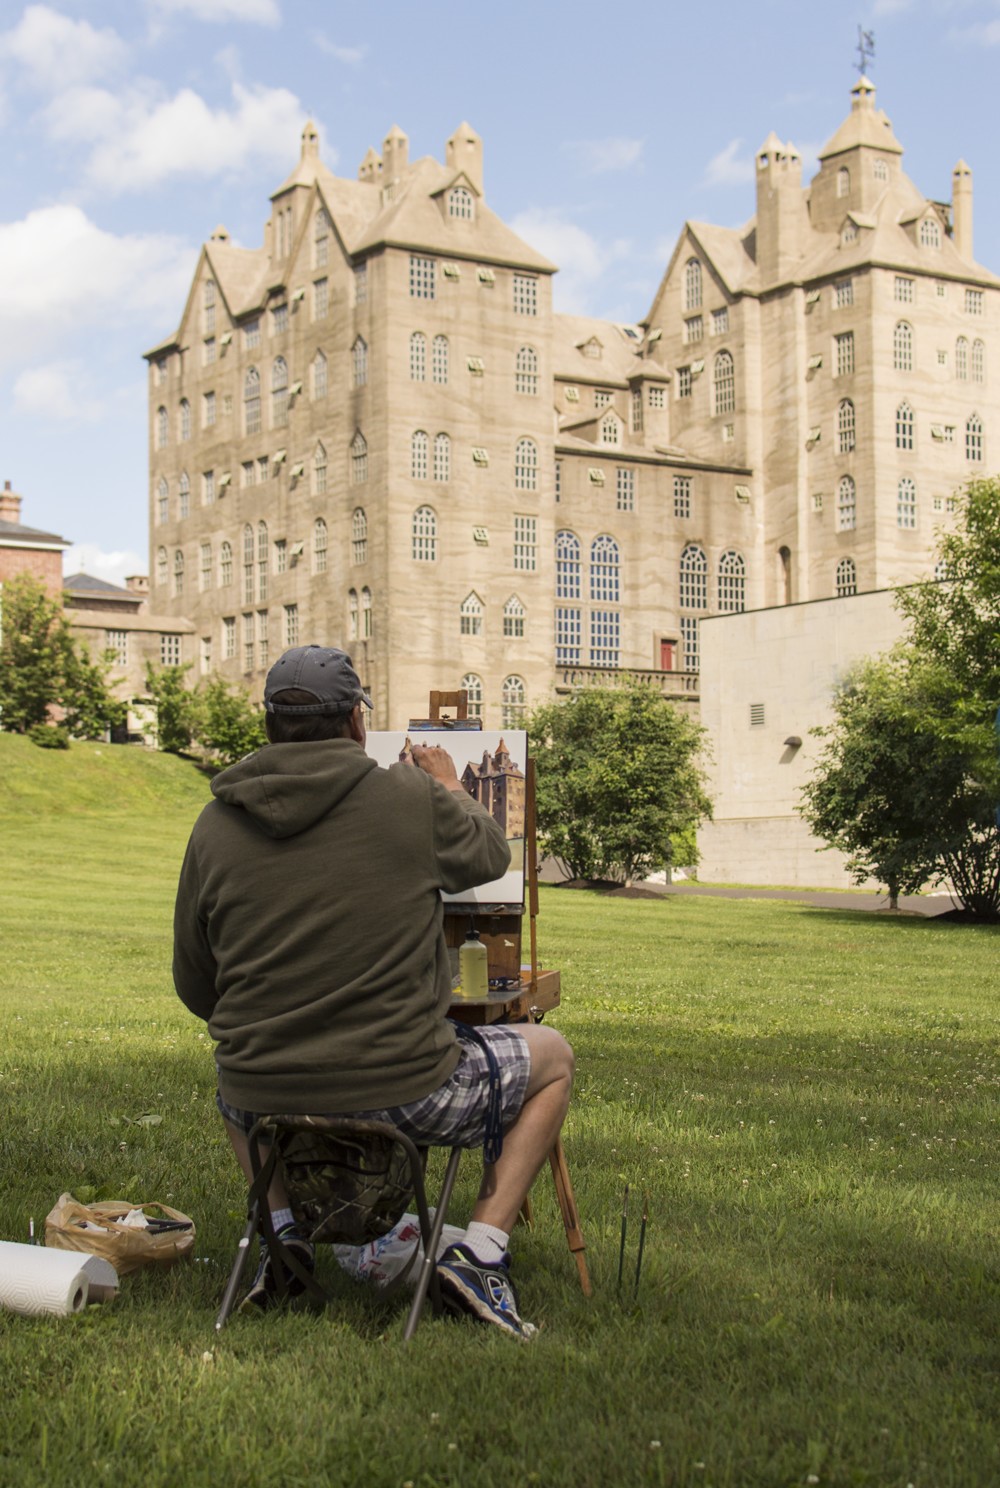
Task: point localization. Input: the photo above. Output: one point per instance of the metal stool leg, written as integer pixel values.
(431, 1235)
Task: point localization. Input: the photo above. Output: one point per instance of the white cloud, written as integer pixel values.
(597, 156)
(113, 567)
(582, 260)
(726, 169)
(351, 56)
(55, 51)
(57, 392)
(140, 138)
(257, 12)
(890, 7)
(987, 33)
(60, 272)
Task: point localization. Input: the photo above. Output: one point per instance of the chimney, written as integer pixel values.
(961, 208)
(10, 504)
(395, 155)
(781, 210)
(464, 152)
(137, 584)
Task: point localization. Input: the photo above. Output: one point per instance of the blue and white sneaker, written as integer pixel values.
(485, 1292)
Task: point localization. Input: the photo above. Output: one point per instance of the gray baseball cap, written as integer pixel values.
(321, 670)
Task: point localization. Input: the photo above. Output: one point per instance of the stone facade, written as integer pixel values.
(374, 431)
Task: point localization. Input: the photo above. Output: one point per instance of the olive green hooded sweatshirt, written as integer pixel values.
(308, 929)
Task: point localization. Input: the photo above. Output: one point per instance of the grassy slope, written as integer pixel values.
(808, 1096)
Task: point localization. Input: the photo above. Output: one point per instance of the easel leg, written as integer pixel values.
(571, 1219)
(526, 1215)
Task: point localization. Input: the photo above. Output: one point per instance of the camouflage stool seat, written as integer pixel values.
(348, 1182)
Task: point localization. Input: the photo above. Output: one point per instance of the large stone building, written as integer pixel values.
(374, 430)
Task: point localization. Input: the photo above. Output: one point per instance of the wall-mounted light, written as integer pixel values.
(793, 742)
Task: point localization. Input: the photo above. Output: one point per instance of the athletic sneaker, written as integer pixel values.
(486, 1292)
(264, 1294)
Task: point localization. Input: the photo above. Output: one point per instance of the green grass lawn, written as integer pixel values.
(809, 1097)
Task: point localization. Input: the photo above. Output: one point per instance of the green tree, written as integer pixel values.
(618, 775)
(41, 668)
(177, 707)
(33, 646)
(229, 725)
(908, 784)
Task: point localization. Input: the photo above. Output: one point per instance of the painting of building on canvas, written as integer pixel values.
(491, 766)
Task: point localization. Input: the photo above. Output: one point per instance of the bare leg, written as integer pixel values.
(530, 1140)
(277, 1198)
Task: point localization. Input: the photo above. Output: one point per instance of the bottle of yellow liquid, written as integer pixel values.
(472, 968)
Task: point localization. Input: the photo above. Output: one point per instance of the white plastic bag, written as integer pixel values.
(381, 1261)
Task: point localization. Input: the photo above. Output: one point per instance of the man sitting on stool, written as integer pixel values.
(309, 934)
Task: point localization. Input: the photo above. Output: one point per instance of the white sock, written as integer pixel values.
(281, 1219)
(487, 1243)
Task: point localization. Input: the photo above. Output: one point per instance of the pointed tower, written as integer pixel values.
(464, 152)
(395, 156)
(856, 166)
(961, 208)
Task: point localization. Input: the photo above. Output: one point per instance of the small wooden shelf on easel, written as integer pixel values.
(529, 991)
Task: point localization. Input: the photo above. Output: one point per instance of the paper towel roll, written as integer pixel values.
(35, 1280)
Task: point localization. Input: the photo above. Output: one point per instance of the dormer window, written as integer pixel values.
(880, 170)
(849, 232)
(930, 233)
(461, 203)
(592, 348)
(611, 429)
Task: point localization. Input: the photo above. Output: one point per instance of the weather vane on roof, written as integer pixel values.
(866, 51)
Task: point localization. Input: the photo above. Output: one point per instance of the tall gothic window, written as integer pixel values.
(439, 361)
(526, 465)
(692, 285)
(423, 536)
(319, 546)
(513, 703)
(961, 358)
(902, 347)
(418, 357)
(279, 393)
(442, 457)
(526, 371)
(359, 536)
(906, 503)
(251, 401)
(567, 565)
(847, 505)
(605, 582)
(419, 445)
(321, 240)
(319, 375)
(845, 427)
(904, 427)
(732, 583)
(359, 358)
(724, 383)
(847, 578)
(974, 438)
(359, 459)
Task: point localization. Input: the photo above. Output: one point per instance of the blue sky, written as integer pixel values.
(132, 127)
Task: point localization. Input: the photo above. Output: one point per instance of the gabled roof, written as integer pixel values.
(84, 583)
(619, 360)
(412, 219)
(15, 534)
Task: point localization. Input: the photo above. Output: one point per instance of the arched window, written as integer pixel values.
(319, 546)
(319, 471)
(941, 573)
(262, 560)
(978, 361)
(513, 617)
(610, 430)
(183, 495)
(208, 308)
(419, 445)
(902, 347)
(161, 566)
(961, 358)
(439, 361)
(514, 703)
(460, 203)
(471, 615)
(418, 357)
(904, 427)
(847, 505)
(359, 354)
(694, 578)
(930, 233)
(248, 552)
(279, 393)
(225, 565)
(352, 614)
(359, 536)
(251, 401)
(692, 285)
(526, 371)
(843, 181)
(880, 170)
(974, 438)
(724, 383)
(567, 565)
(906, 503)
(162, 500)
(473, 685)
(321, 239)
(178, 573)
(526, 465)
(442, 457)
(847, 578)
(845, 427)
(359, 459)
(732, 583)
(605, 581)
(319, 377)
(423, 536)
(184, 420)
(366, 613)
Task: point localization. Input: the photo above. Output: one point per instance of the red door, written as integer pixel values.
(668, 655)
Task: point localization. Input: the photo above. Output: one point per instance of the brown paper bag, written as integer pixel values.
(128, 1249)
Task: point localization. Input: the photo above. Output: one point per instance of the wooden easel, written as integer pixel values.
(525, 1000)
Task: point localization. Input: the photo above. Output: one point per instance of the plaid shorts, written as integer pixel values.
(453, 1115)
